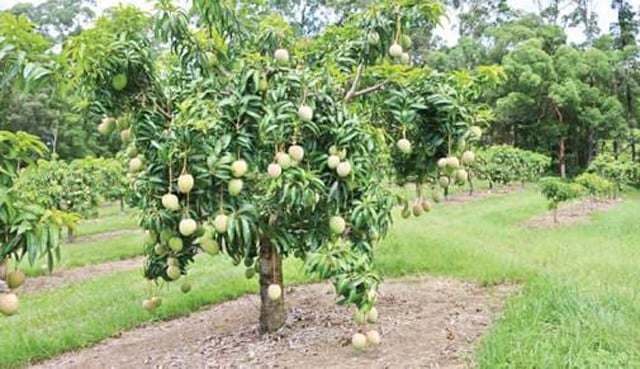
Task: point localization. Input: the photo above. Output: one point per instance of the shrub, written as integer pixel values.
(595, 185)
(504, 164)
(620, 172)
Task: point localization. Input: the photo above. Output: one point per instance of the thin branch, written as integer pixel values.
(369, 89)
(158, 108)
(146, 96)
(355, 83)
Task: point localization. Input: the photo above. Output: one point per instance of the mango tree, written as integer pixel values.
(27, 229)
(595, 186)
(505, 164)
(433, 121)
(619, 172)
(248, 141)
(78, 186)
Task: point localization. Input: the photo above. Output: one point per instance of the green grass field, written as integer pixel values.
(79, 254)
(578, 307)
(110, 219)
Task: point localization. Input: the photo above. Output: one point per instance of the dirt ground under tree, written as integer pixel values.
(572, 213)
(424, 323)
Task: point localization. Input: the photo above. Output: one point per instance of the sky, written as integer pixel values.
(601, 7)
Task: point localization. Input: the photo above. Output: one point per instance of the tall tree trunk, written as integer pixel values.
(562, 162)
(272, 312)
(591, 147)
(616, 149)
(54, 147)
(630, 121)
(562, 157)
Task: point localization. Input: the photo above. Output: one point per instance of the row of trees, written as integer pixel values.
(78, 186)
(568, 101)
(504, 164)
(605, 178)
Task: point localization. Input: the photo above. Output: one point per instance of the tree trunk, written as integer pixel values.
(562, 158)
(55, 138)
(70, 236)
(616, 149)
(272, 312)
(4, 272)
(470, 186)
(591, 147)
(121, 204)
(630, 120)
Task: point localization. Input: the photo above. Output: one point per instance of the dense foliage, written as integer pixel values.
(595, 186)
(560, 98)
(504, 164)
(78, 186)
(620, 172)
(260, 148)
(27, 228)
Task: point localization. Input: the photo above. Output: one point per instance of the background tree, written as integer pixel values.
(627, 81)
(35, 95)
(58, 19)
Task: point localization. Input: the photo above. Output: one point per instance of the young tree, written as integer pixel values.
(557, 191)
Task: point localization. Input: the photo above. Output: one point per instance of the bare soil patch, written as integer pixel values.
(573, 213)
(69, 276)
(481, 194)
(424, 323)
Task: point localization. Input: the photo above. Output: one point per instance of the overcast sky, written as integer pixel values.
(602, 7)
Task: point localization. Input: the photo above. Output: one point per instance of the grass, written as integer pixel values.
(122, 247)
(111, 208)
(109, 220)
(89, 311)
(100, 247)
(578, 308)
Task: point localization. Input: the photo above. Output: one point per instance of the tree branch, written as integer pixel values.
(369, 89)
(355, 83)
